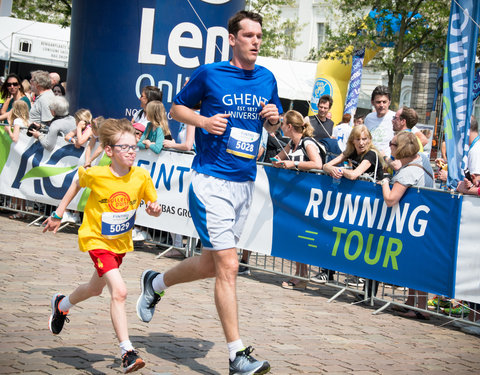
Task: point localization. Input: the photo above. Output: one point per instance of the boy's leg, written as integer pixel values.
(118, 293)
(91, 289)
(61, 304)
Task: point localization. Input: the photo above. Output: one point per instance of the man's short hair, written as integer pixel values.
(381, 90)
(42, 79)
(234, 21)
(326, 99)
(55, 78)
(410, 116)
(59, 105)
(473, 124)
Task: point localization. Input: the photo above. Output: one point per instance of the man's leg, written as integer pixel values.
(191, 269)
(226, 268)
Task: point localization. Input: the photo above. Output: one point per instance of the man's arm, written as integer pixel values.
(214, 125)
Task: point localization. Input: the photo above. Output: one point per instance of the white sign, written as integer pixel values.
(42, 51)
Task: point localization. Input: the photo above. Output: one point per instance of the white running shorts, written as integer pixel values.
(219, 209)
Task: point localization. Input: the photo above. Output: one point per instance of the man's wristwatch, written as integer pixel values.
(296, 163)
(278, 122)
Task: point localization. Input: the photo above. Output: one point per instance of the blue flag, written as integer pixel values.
(458, 78)
(355, 81)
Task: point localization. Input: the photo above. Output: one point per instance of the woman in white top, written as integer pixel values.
(300, 153)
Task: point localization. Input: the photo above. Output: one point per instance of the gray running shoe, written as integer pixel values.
(149, 298)
(243, 270)
(245, 364)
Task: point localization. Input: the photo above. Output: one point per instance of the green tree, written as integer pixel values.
(51, 11)
(404, 32)
(279, 37)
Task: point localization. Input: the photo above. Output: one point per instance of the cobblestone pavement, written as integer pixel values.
(298, 332)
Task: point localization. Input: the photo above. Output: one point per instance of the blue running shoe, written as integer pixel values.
(245, 364)
(149, 298)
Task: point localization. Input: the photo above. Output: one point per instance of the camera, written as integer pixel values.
(31, 128)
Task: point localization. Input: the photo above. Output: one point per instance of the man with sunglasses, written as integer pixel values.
(12, 91)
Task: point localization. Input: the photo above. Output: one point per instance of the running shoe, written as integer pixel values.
(436, 303)
(320, 278)
(243, 270)
(245, 364)
(131, 362)
(149, 298)
(354, 281)
(58, 317)
(459, 308)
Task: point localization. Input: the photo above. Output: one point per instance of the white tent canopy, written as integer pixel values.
(295, 79)
(34, 42)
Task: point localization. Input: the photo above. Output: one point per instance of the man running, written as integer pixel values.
(237, 98)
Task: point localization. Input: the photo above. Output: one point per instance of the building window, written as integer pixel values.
(321, 33)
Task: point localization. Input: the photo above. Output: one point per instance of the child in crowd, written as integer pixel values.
(18, 118)
(139, 130)
(157, 129)
(116, 192)
(89, 158)
(82, 134)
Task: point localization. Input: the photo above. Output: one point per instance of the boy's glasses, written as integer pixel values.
(125, 148)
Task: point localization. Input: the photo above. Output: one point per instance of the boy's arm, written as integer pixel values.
(52, 224)
(153, 209)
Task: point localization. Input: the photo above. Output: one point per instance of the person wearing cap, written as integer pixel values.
(139, 129)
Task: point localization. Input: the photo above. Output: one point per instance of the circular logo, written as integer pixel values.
(216, 2)
(119, 202)
(322, 87)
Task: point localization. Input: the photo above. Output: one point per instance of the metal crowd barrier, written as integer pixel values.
(387, 295)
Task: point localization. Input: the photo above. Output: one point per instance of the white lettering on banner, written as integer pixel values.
(167, 90)
(349, 206)
(178, 40)
(458, 57)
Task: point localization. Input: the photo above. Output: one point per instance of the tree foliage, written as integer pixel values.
(278, 36)
(50, 11)
(403, 32)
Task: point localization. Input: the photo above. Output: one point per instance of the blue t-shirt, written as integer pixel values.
(224, 88)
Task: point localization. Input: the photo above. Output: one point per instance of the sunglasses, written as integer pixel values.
(393, 144)
(14, 84)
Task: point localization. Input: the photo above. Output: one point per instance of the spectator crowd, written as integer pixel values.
(385, 146)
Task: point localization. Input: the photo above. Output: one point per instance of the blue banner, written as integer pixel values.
(458, 78)
(476, 85)
(118, 47)
(348, 228)
(355, 82)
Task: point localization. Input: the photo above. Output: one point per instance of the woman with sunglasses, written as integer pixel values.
(405, 147)
(12, 90)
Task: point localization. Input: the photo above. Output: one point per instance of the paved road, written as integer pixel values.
(298, 332)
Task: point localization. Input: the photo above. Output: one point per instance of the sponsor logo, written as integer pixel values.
(322, 87)
(119, 202)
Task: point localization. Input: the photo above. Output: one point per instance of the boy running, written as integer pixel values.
(116, 192)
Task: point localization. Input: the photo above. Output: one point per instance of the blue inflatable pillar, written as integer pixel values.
(119, 47)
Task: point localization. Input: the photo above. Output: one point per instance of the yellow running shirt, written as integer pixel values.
(109, 214)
